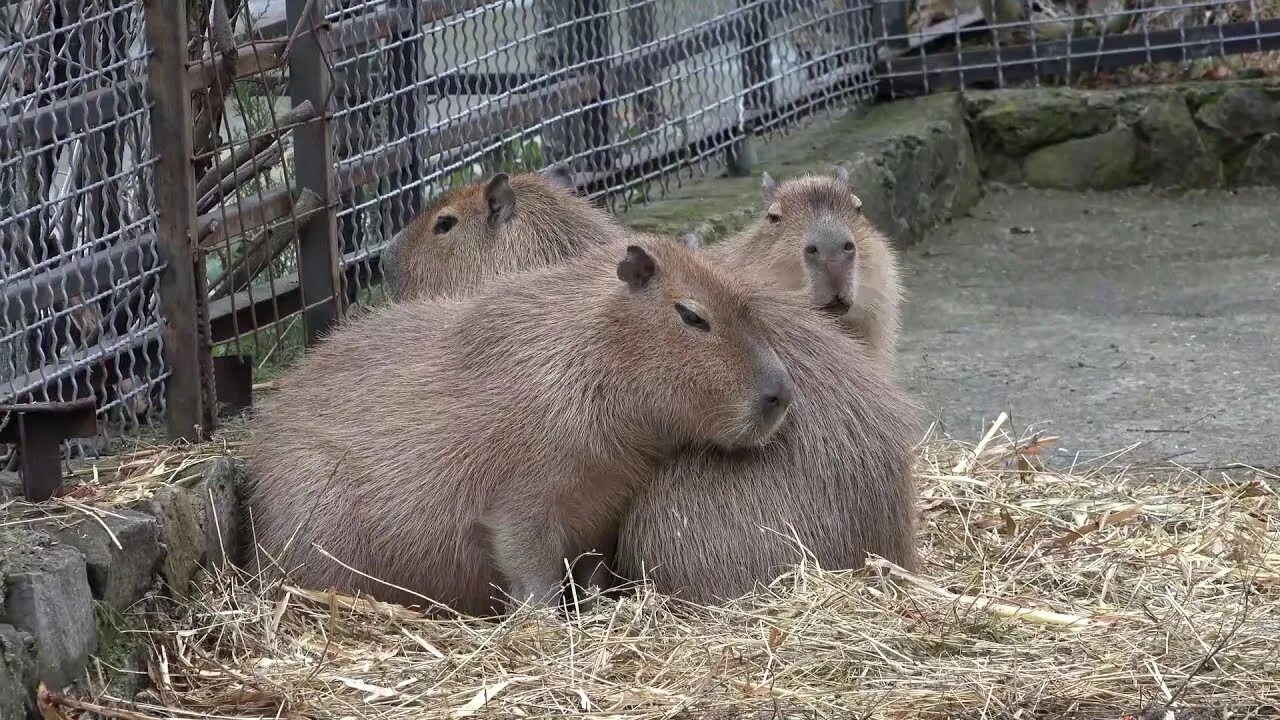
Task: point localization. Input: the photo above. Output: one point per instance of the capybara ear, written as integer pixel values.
(768, 186)
(691, 241)
(637, 268)
(560, 175)
(501, 199)
(841, 174)
(857, 202)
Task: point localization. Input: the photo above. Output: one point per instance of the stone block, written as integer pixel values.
(118, 575)
(199, 525)
(1240, 115)
(17, 672)
(181, 535)
(46, 594)
(1173, 152)
(1016, 122)
(1101, 162)
(218, 500)
(1262, 162)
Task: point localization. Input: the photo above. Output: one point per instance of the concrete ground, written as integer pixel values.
(1108, 319)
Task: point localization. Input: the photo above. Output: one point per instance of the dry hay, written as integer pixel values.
(1092, 593)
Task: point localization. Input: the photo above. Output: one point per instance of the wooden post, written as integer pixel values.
(311, 78)
(582, 43)
(186, 352)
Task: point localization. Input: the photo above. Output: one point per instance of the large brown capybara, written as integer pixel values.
(451, 447)
(837, 478)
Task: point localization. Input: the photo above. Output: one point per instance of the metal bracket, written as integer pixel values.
(233, 382)
(38, 431)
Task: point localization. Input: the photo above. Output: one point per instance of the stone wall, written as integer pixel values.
(64, 578)
(1195, 135)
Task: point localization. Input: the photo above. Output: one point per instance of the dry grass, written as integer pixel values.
(1094, 593)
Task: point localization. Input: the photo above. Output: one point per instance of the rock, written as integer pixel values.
(1173, 152)
(17, 672)
(181, 535)
(118, 576)
(1101, 162)
(1023, 120)
(10, 484)
(199, 525)
(46, 594)
(219, 506)
(1262, 163)
(1240, 115)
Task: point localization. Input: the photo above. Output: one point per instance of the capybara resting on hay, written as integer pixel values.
(836, 478)
(448, 447)
(814, 235)
(509, 223)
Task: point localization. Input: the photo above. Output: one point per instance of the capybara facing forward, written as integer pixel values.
(472, 234)
(449, 447)
(814, 235)
(837, 478)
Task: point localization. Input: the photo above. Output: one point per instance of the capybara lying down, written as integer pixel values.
(448, 448)
(836, 479)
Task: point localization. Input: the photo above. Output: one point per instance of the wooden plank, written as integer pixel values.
(239, 216)
(70, 115)
(253, 58)
(189, 410)
(498, 119)
(310, 80)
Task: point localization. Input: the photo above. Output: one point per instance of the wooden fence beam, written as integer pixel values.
(182, 303)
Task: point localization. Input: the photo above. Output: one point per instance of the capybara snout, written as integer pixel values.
(776, 390)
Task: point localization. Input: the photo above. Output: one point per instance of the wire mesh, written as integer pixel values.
(78, 310)
(624, 93)
(932, 45)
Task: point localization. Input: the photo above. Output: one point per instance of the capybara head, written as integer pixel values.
(507, 223)
(821, 219)
(677, 319)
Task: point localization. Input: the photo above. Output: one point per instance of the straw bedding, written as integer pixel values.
(1102, 592)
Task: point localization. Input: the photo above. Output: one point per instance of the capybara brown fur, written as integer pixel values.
(451, 447)
(836, 479)
(814, 235)
(509, 223)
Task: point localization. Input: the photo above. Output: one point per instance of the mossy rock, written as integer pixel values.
(1172, 153)
(1100, 162)
(1022, 121)
(1262, 163)
(1240, 116)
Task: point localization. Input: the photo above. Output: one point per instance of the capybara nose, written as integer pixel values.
(776, 397)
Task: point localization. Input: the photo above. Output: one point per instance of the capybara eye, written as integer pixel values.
(848, 246)
(692, 319)
(444, 224)
(774, 217)
(811, 249)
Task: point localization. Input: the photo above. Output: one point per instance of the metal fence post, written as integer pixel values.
(581, 42)
(186, 350)
(311, 78)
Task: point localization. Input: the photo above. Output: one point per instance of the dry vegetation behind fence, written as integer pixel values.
(280, 144)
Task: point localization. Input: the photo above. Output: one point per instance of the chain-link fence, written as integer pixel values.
(280, 144)
(79, 316)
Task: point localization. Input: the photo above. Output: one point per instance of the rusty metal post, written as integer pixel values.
(182, 304)
(311, 78)
(38, 431)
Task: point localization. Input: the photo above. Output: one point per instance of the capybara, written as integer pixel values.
(448, 447)
(814, 235)
(474, 233)
(837, 479)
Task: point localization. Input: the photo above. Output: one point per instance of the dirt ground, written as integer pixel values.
(1110, 319)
